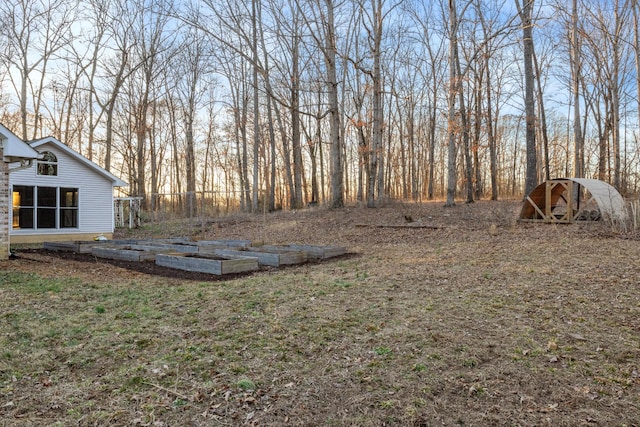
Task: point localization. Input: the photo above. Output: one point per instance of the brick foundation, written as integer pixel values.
(4, 208)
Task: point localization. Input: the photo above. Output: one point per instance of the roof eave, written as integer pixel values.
(16, 150)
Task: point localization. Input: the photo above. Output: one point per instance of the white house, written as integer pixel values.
(60, 195)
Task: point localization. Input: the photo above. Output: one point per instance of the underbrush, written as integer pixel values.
(629, 222)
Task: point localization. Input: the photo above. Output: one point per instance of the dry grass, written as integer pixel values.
(479, 321)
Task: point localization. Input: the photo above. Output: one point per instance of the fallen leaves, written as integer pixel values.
(484, 317)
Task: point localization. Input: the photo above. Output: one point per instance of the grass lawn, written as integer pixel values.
(477, 321)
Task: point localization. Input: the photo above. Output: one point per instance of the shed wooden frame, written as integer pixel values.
(540, 205)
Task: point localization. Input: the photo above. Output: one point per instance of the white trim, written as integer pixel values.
(14, 149)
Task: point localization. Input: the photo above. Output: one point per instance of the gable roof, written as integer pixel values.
(13, 148)
(117, 182)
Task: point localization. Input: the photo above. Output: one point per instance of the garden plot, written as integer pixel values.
(208, 263)
(217, 257)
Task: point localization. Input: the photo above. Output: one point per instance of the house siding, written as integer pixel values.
(95, 195)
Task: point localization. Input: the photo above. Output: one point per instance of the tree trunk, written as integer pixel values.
(452, 125)
(141, 145)
(525, 11)
(464, 124)
(433, 115)
(491, 136)
(636, 47)
(615, 97)
(543, 117)
(256, 109)
(337, 174)
(576, 75)
(375, 178)
(296, 200)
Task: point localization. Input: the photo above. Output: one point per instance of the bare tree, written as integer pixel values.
(191, 77)
(525, 11)
(256, 103)
(150, 52)
(620, 15)
(32, 34)
(487, 56)
(604, 37)
(116, 65)
(576, 76)
(322, 26)
(433, 48)
(289, 35)
(375, 19)
(636, 47)
(272, 137)
(454, 89)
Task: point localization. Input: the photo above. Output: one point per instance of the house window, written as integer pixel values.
(44, 207)
(48, 165)
(23, 207)
(68, 208)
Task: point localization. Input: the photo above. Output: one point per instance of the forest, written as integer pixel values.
(276, 104)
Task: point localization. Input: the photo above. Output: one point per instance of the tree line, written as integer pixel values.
(278, 103)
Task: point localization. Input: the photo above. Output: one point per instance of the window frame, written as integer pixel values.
(46, 207)
(19, 210)
(47, 167)
(49, 207)
(64, 210)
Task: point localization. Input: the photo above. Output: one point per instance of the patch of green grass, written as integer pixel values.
(33, 284)
(383, 351)
(245, 384)
(419, 368)
(343, 284)
(180, 402)
(477, 390)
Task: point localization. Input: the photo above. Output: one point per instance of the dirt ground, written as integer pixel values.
(436, 316)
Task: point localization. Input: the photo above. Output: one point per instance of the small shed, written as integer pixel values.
(565, 200)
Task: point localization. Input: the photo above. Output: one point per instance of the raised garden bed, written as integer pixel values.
(206, 245)
(208, 263)
(81, 246)
(136, 253)
(273, 257)
(313, 251)
(191, 248)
